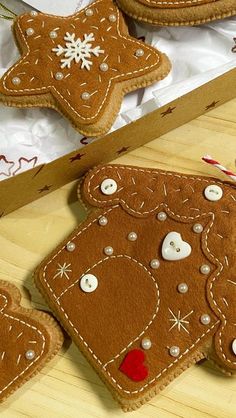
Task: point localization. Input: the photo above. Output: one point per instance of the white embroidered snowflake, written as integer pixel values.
(179, 321)
(62, 271)
(78, 50)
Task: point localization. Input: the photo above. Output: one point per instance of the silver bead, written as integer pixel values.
(174, 351)
(53, 34)
(104, 67)
(33, 13)
(205, 269)
(70, 246)
(205, 319)
(146, 343)
(139, 52)
(59, 76)
(108, 250)
(155, 264)
(89, 12)
(29, 31)
(103, 221)
(132, 236)
(85, 96)
(112, 18)
(183, 288)
(16, 81)
(198, 228)
(30, 354)
(161, 216)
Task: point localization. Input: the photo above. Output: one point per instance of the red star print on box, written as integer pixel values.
(81, 65)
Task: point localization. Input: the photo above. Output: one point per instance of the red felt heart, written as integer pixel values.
(133, 366)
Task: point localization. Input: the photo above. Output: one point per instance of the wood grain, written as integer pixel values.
(68, 387)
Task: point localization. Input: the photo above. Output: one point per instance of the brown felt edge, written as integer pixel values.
(187, 16)
(46, 321)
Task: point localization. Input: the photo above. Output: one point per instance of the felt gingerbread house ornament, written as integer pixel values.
(176, 12)
(81, 65)
(146, 286)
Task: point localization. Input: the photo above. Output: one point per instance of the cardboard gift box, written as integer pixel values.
(172, 103)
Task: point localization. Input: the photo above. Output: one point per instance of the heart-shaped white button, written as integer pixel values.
(174, 248)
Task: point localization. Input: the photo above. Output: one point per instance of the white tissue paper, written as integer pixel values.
(29, 137)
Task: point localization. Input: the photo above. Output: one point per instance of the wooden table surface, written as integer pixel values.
(68, 387)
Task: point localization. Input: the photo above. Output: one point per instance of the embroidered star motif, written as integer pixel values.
(179, 322)
(81, 65)
(62, 271)
(46, 188)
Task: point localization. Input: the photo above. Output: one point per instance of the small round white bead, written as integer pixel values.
(104, 67)
(103, 221)
(112, 18)
(16, 81)
(146, 343)
(30, 354)
(183, 288)
(132, 236)
(85, 96)
(53, 34)
(29, 31)
(155, 264)
(139, 52)
(161, 216)
(59, 76)
(33, 13)
(89, 12)
(198, 228)
(70, 247)
(234, 346)
(205, 269)
(205, 319)
(108, 250)
(174, 351)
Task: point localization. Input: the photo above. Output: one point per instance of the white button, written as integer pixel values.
(88, 283)
(108, 187)
(174, 248)
(213, 193)
(234, 346)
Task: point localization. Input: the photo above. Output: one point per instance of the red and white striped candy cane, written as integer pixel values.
(208, 159)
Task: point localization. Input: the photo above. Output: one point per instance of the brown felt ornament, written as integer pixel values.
(178, 12)
(28, 340)
(81, 65)
(146, 286)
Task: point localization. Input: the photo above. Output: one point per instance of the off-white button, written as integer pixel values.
(213, 193)
(234, 346)
(88, 283)
(108, 187)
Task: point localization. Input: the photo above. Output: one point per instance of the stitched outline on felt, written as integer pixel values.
(186, 217)
(86, 344)
(151, 49)
(29, 326)
(178, 2)
(157, 305)
(178, 216)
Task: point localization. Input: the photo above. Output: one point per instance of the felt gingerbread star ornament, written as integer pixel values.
(176, 12)
(81, 65)
(146, 286)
